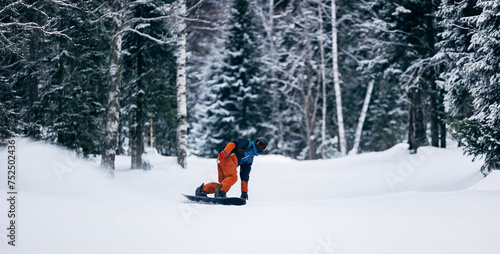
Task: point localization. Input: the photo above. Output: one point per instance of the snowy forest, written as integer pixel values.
(318, 78)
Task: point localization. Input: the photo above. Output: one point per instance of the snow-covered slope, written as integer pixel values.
(387, 202)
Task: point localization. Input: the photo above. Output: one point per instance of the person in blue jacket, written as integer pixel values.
(239, 152)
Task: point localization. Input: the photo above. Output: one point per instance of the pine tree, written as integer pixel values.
(238, 86)
(410, 29)
(71, 104)
(134, 84)
(149, 83)
(204, 111)
(454, 44)
(58, 84)
(478, 41)
(205, 35)
(24, 29)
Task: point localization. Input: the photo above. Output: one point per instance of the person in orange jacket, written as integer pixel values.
(239, 152)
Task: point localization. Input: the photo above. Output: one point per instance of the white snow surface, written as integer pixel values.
(383, 202)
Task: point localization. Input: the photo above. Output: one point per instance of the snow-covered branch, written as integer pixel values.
(141, 20)
(145, 35)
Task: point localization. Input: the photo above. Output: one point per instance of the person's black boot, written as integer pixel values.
(200, 192)
(219, 193)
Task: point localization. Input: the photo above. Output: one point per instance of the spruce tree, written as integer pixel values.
(203, 113)
(407, 31)
(71, 104)
(454, 45)
(238, 104)
(205, 47)
(55, 91)
(478, 65)
(149, 82)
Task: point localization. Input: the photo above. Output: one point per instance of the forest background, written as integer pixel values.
(318, 79)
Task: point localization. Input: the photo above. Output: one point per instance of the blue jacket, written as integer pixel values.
(245, 150)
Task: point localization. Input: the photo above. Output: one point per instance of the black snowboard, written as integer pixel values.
(216, 201)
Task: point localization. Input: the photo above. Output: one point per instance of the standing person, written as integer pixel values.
(239, 152)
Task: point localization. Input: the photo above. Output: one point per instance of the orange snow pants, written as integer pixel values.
(228, 175)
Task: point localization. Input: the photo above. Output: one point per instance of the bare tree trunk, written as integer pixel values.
(416, 130)
(307, 126)
(442, 130)
(274, 85)
(434, 115)
(362, 118)
(434, 92)
(336, 81)
(313, 98)
(442, 124)
(181, 86)
(310, 98)
(323, 81)
(435, 102)
(32, 84)
(411, 124)
(137, 119)
(420, 128)
(114, 80)
(133, 139)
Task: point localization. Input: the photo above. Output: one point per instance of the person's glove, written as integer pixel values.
(223, 154)
(244, 195)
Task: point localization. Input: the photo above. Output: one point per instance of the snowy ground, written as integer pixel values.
(386, 202)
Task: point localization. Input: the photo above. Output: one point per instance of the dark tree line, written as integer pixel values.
(432, 63)
(57, 67)
(255, 68)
